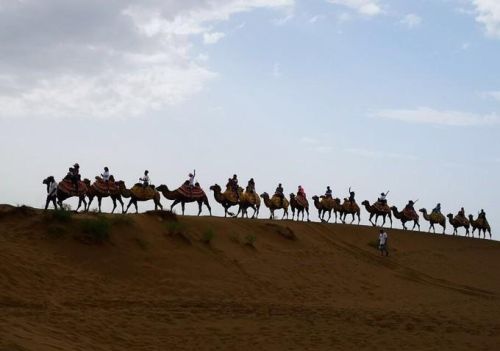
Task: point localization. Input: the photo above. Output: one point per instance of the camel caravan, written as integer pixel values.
(105, 186)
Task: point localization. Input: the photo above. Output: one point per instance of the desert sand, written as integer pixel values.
(156, 284)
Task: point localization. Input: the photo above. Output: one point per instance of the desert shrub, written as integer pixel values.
(208, 236)
(96, 230)
(56, 231)
(177, 229)
(66, 207)
(122, 219)
(250, 240)
(62, 215)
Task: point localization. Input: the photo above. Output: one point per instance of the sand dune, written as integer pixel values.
(156, 285)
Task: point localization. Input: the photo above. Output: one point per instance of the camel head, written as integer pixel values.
(264, 195)
(471, 217)
(315, 198)
(292, 196)
(450, 216)
(365, 203)
(46, 181)
(394, 209)
(216, 188)
(423, 210)
(162, 187)
(87, 182)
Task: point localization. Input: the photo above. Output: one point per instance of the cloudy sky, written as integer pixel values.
(373, 94)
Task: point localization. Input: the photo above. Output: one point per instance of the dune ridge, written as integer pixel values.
(209, 283)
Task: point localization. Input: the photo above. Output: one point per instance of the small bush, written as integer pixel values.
(96, 230)
(122, 219)
(250, 240)
(66, 207)
(207, 237)
(62, 215)
(56, 232)
(176, 229)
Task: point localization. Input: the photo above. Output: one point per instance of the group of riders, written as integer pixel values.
(74, 177)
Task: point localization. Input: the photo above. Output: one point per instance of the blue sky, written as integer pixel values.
(376, 95)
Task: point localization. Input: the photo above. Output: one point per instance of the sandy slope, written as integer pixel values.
(327, 288)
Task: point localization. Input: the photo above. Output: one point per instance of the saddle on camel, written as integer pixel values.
(143, 192)
(382, 207)
(409, 211)
(105, 187)
(194, 192)
(67, 186)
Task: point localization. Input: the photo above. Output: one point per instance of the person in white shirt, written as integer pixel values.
(105, 175)
(145, 179)
(51, 193)
(383, 198)
(382, 243)
(191, 178)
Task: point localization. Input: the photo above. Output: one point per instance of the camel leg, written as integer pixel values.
(359, 217)
(121, 203)
(99, 200)
(136, 207)
(307, 211)
(208, 206)
(183, 205)
(91, 198)
(200, 204)
(114, 204)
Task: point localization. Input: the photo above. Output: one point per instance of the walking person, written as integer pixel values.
(51, 192)
(382, 243)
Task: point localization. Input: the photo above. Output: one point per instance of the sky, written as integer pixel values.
(373, 94)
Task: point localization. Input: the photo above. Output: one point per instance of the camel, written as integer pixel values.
(275, 203)
(481, 225)
(327, 205)
(349, 208)
(183, 195)
(457, 223)
(377, 211)
(249, 200)
(295, 204)
(404, 217)
(140, 193)
(65, 191)
(96, 190)
(434, 218)
(227, 199)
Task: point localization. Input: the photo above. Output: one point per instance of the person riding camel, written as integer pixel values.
(280, 193)
(251, 186)
(191, 178)
(352, 194)
(328, 193)
(383, 198)
(234, 186)
(409, 206)
(105, 175)
(145, 179)
(75, 177)
(437, 209)
(461, 213)
(482, 215)
(301, 192)
(51, 192)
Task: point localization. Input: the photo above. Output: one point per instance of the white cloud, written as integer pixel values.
(465, 46)
(107, 59)
(488, 14)
(425, 115)
(213, 37)
(411, 20)
(364, 7)
(283, 20)
(369, 153)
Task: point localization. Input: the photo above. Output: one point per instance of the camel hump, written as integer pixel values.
(436, 217)
(66, 186)
(381, 207)
(143, 193)
(410, 213)
(190, 192)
